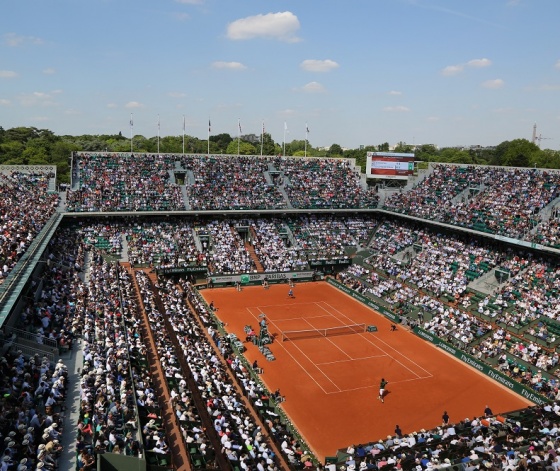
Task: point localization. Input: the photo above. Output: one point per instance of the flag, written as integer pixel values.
(131, 122)
(158, 122)
(239, 123)
(285, 126)
(263, 128)
(209, 126)
(306, 128)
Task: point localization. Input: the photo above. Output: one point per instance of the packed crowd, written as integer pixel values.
(490, 199)
(324, 184)
(528, 440)
(231, 183)
(273, 246)
(242, 439)
(108, 414)
(327, 237)
(124, 182)
(25, 207)
(34, 387)
(548, 232)
(163, 245)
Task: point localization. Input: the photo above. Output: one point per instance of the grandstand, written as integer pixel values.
(466, 258)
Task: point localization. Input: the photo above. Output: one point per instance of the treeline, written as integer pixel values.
(32, 146)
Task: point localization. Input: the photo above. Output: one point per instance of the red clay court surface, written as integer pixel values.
(331, 383)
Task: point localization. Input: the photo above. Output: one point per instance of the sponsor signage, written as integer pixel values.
(332, 261)
(179, 270)
(501, 378)
(259, 277)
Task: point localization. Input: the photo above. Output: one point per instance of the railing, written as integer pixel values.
(24, 334)
(31, 351)
(27, 261)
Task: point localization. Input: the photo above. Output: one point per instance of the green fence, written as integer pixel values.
(501, 378)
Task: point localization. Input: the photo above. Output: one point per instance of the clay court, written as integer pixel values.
(331, 383)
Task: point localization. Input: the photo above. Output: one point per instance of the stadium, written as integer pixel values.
(189, 311)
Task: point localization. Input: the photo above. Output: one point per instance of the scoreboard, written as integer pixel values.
(389, 165)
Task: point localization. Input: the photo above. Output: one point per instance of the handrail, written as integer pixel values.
(24, 334)
(31, 256)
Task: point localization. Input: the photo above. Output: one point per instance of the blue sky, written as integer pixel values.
(447, 72)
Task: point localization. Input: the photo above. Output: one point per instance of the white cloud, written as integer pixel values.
(4, 102)
(452, 70)
(493, 84)
(394, 93)
(37, 99)
(134, 104)
(396, 108)
(282, 26)
(228, 65)
(479, 63)
(313, 87)
(15, 40)
(557, 65)
(49, 71)
(8, 74)
(111, 105)
(313, 65)
(177, 94)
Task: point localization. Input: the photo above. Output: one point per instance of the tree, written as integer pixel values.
(518, 153)
(269, 147)
(221, 143)
(245, 148)
(426, 152)
(403, 147)
(10, 152)
(335, 151)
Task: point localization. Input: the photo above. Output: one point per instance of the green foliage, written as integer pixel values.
(220, 142)
(245, 148)
(335, 151)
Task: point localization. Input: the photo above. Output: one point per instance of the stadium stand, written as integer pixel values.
(426, 276)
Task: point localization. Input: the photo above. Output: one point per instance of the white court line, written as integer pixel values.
(298, 318)
(351, 359)
(390, 346)
(330, 341)
(377, 346)
(279, 305)
(298, 363)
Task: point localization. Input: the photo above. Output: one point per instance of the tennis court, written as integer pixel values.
(330, 373)
(329, 347)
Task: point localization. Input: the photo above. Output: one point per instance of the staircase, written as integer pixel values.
(253, 255)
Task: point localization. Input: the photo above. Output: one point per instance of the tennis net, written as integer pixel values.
(313, 333)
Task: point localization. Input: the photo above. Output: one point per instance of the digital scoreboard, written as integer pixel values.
(389, 165)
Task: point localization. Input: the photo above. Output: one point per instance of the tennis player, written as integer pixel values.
(291, 293)
(382, 385)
